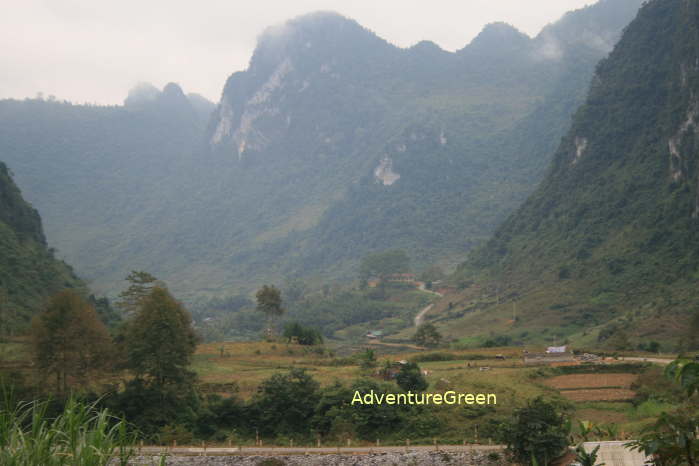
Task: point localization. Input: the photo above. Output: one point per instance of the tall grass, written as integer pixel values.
(81, 435)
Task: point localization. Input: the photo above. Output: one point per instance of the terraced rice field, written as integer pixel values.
(594, 387)
(580, 381)
(602, 394)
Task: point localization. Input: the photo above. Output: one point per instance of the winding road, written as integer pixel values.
(420, 317)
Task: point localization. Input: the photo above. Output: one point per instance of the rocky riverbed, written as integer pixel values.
(435, 458)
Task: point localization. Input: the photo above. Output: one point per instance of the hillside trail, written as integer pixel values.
(420, 317)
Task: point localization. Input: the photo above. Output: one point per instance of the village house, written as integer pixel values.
(553, 355)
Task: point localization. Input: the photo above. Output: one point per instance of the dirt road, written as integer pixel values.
(420, 317)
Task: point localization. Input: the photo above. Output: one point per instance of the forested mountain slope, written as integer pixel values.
(108, 180)
(332, 144)
(28, 270)
(610, 239)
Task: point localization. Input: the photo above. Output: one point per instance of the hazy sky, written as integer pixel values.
(96, 50)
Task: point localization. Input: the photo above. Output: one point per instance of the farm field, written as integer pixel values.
(580, 381)
(246, 365)
(602, 395)
(594, 387)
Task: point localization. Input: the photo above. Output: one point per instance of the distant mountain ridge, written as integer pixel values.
(407, 126)
(332, 144)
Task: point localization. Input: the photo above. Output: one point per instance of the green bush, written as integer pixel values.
(538, 432)
(303, 335)
(410, 378)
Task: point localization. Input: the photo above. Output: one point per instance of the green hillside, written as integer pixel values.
(28, 270)
(609, 242)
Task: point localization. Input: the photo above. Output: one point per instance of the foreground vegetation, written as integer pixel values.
(152, 371)
(79, 435)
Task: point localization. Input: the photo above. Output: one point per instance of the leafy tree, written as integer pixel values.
(686, 373)
(285, 403)
(672, 439)
(269, 301)
(337, 417)
(427, 335)
(586, 429)
(141, 285)
(410, 378)
(160, 340)
(538, 432)
(370, 421)
(107, 314)
(218, 416)
(331, 405)
(151, 408)
(303, 335)
(585, 458)
(69, 341)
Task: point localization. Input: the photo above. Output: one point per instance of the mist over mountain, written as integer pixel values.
(332, 144)
(415, 148)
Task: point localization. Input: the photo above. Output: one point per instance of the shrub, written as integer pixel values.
(538, 432)
(427, 335)
(303, 335)
(410, 378)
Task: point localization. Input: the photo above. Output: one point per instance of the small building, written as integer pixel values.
(374, 334)
(373, 282)
(401, 278)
